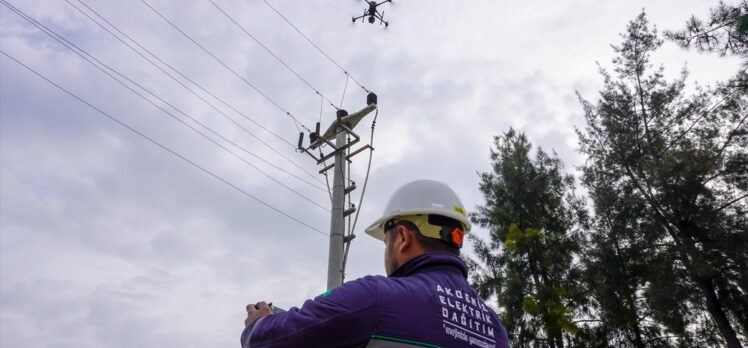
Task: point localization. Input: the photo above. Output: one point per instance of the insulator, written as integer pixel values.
(341, 113)
(371, 98)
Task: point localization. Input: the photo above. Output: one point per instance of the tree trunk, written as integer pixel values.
(686, 248)
(559, 339)
(638, 342)
(714, 306)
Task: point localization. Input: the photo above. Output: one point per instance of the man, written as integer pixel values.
(425, 300)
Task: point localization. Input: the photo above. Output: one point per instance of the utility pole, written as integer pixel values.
(337, 218)
(339, 129)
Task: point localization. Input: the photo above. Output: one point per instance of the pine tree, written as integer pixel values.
(678, 163)
(528, 263)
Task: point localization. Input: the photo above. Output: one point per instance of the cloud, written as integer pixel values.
(108, 240)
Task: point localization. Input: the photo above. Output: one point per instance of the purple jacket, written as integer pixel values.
(427, 302)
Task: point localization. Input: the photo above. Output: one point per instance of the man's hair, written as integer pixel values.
(428, 243)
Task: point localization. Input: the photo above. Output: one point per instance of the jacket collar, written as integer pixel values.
(429, 262)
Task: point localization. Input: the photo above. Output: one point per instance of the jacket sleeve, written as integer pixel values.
(341, 317)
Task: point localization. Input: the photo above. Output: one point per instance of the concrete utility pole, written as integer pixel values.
(337, 218)
(339, 129)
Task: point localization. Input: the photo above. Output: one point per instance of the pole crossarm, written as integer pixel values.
(344, 123)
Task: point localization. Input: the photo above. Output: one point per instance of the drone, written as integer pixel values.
(373, 14)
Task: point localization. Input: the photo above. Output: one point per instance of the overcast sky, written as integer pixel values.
(108, 240)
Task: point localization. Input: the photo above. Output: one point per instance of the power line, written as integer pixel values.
(164, 63)
(42, 28)
(190, 90)
(194, 83)
(295, 120)
(342, 98)
(273, 54)
(315, 46)
(327, 180)
(163, 146)
(363, 192)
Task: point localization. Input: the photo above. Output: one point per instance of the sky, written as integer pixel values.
(108, 239)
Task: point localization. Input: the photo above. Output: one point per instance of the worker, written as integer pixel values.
(425, 300)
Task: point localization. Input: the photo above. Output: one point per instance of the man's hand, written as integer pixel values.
(257, 311)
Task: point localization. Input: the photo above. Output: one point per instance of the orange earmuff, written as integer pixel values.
(457, 236)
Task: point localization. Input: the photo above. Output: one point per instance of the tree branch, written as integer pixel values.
(695, 122)
(731, 202)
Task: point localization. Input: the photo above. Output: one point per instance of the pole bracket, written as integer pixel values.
(350, 189)
(349, 211)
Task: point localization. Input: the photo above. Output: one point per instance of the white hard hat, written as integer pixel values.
(421, 197)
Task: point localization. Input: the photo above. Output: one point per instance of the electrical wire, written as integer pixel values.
(216, 176)
(368, 167)
(363, 191)
(180, 111)
(327, 180)
(314, 89)
(67, 44)
(348, 180)
(272, 148)
(345, 88)
(250, 84)
(315, 46)
(324, 163)
(321, 104)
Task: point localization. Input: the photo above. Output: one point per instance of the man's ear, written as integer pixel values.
(405, 237)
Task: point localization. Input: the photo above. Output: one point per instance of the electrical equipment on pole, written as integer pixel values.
(341, 130)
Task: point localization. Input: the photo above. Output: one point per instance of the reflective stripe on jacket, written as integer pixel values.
(426, 302)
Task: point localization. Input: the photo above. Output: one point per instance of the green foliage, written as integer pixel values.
(666, 172)
(725, 32)
(533, 216)
(663, 261)
(519, 241)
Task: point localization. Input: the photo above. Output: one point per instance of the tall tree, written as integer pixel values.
(528, 263)
(684, 159)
